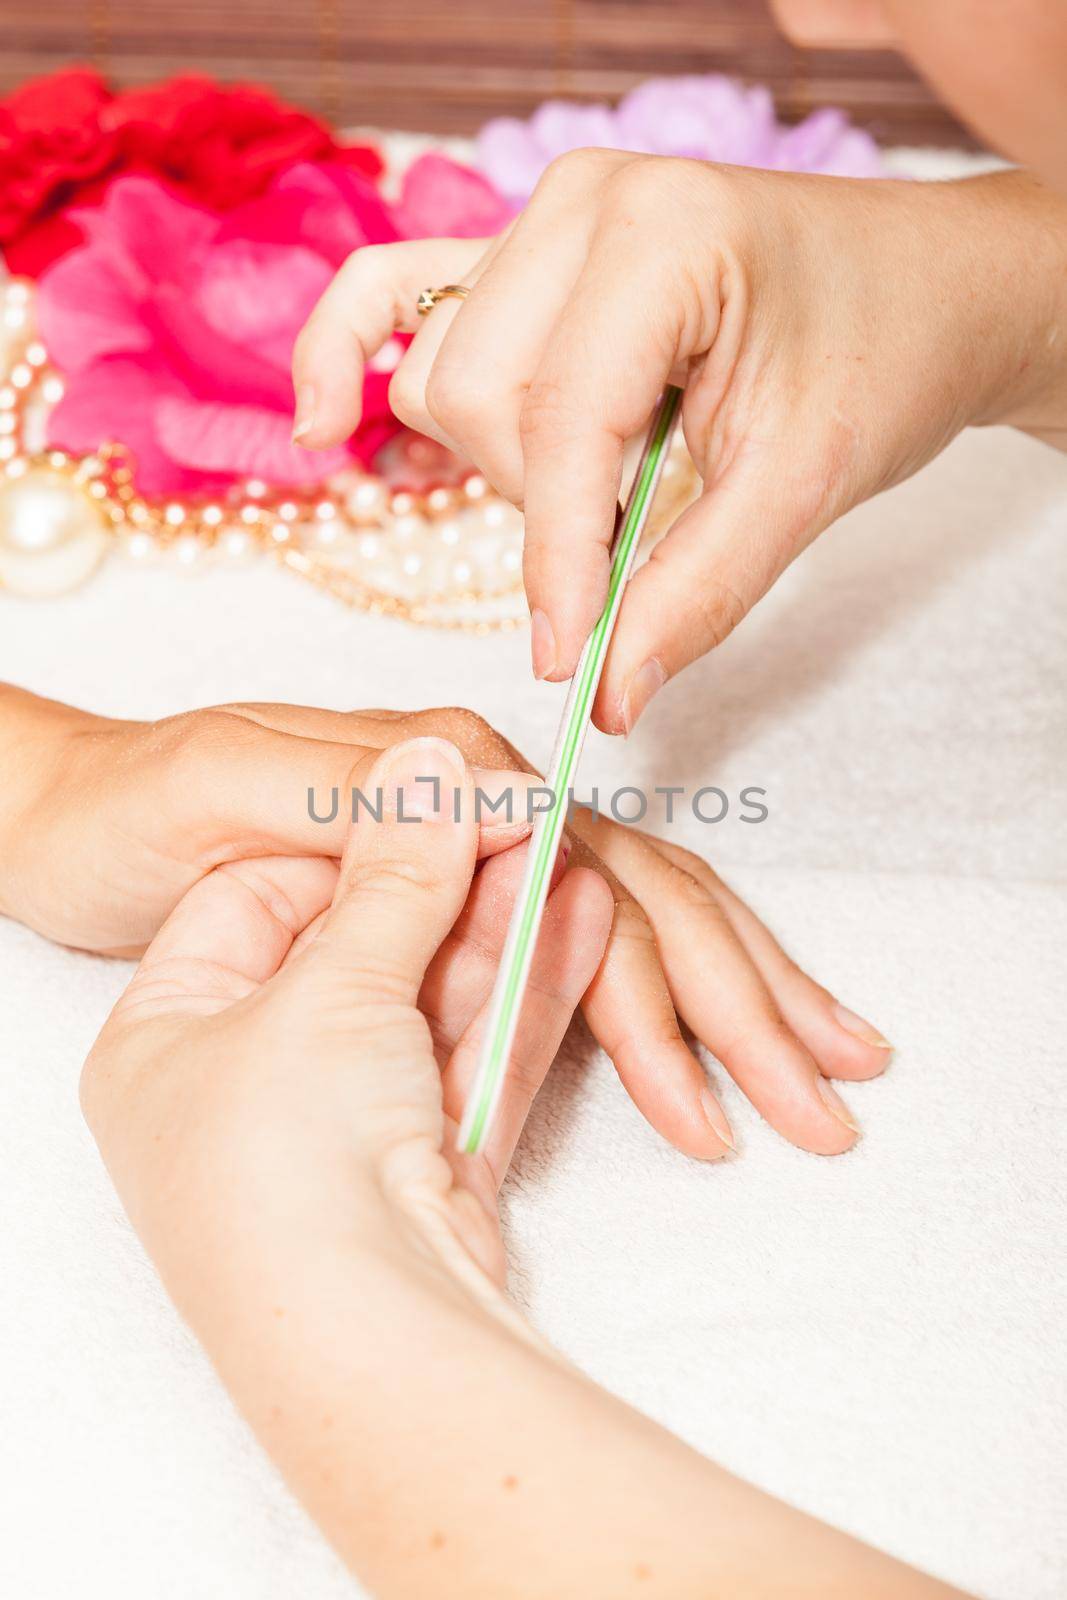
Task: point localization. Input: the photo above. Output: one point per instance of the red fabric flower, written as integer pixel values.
(221, 145)
(174, 325)
(50, 135)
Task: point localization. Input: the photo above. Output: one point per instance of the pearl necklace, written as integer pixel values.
(448, 555)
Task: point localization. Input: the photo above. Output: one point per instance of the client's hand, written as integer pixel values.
(107, 824)
(268, 1100)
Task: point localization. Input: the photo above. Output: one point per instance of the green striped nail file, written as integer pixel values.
(510, 986)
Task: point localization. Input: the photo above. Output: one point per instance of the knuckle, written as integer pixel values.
(381, 992)
(391, 878)
(586, 165)
(631, 923)
(719, 609)
(641, 182)
(363, 266)
(683, 884)
(455, 402)
(193, 739)
(709, 610)
(658, 181)
(545, 415)
(474, 735)
(407, 396)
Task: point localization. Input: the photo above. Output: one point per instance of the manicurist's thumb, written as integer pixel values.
(405, 872)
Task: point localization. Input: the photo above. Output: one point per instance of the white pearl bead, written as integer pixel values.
(187, 552)
(236, 546)
(367, 499)
(408, 527)
(139, 546)
(52, 535)
(494, 514)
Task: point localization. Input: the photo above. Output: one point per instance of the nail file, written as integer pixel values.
(509, 988)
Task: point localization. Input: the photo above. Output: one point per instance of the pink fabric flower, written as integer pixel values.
(708, 118)
(174, 325)
(440, 198)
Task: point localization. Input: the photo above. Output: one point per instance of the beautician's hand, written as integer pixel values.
(268, 1100)
(283, 1007)
(832, 335)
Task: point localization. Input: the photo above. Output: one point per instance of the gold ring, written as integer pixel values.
(429, 297)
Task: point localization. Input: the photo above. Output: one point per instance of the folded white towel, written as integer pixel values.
(877, 1338)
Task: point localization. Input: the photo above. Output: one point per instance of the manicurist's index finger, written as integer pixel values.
(602, 370)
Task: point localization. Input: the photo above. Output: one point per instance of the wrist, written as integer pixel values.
(35, 738)
(442, 1232)
(1018, 293)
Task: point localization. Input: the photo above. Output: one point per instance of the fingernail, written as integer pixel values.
(835, 1105)
(420, 780)
(542, 644)
(860, 1029)
(500, 797)
(646, 682)
(716, 1117)
(304, 414)
(559, 866)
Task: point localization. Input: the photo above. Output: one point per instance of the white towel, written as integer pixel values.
(876, 1338)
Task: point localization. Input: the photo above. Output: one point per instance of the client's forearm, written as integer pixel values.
(34, 737)
(445, 1451)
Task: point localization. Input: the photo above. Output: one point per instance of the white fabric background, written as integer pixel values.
(876, 1338)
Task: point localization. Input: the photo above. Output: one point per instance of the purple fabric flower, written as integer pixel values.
(711, 118)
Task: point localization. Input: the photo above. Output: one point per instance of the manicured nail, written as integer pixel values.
(559, 866)
(304, 415)
(860, 1029)
(716, 1117)
(646, 682)
(419, 780)
(835, 1105)
(501, 797)
(542, 644)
